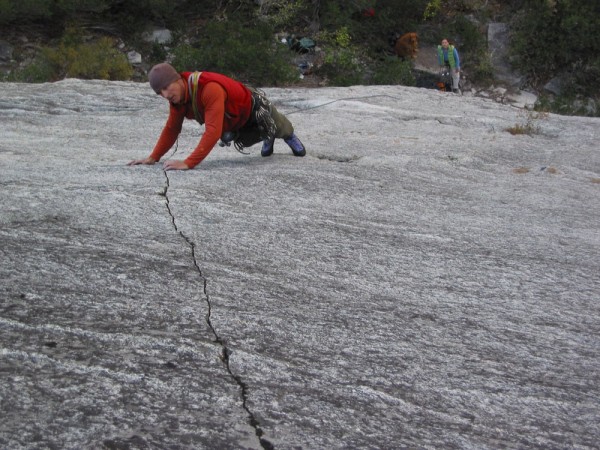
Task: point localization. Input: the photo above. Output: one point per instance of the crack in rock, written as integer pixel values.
(225, 352)
(340, 159)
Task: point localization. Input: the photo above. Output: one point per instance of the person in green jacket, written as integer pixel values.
(448, 57)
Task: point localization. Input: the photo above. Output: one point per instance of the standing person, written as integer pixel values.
(229, 110)
(448, 56)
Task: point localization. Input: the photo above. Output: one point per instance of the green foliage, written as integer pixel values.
(132, 17)
(482, 71)
(334, 15)
(559, 36)
(467, 36)
(281, 12)
(129, 15)
(99, 60)
(432, 9)
(391, 16)
(189, 58)
(39, 71)
(236, 37)
(341, 67)
(404, 15)
(6, 12)
(71, 7)
(23, 11)
(245, 53)
(74, 59)
(341, 63)
(157, 53)
(466, 6)
(341, 37)
(569, 105)
(393, 71)
(16, 10)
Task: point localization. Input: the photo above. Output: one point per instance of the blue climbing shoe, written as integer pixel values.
(227, 138)
(267, 148)
(296, 146)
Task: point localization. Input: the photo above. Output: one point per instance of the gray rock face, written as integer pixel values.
(134, 57)
(421, 279)
(554, 86)
(498, 42)
(6, 51)
(160, 36)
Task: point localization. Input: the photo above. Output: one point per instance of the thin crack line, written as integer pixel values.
(225, 352)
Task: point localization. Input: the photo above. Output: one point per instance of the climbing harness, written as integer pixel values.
(261, 114)
(261, 110)
(193, 90)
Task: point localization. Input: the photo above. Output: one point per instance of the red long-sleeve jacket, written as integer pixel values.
(223, 105)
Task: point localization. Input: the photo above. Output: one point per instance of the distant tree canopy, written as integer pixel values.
(389, 13)
(559, 37)
(60, 12)
(22, 11)
(550, 37)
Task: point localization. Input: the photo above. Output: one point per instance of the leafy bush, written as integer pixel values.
(16, 10)
(341, 67)
(132, 17)
(372, 32)
(74, 59)
(399, 16)
(559, 36)
(98, 60)
(481, 71)
(128, 15)
(432, 9)
(53, 11)
(393, 71)
(281, 12)
(466, 34)
(245, 53)
(74, 7)
(342, 61)
(39, 71)
(569, 105)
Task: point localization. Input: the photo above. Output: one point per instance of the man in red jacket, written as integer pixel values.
(229, 110)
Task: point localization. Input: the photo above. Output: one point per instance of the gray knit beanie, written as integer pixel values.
(162, 75)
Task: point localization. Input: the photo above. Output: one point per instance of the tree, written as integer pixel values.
(559, 37)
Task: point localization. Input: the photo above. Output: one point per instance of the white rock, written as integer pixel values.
(524, 98)
(134, 57)
(160, 36)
